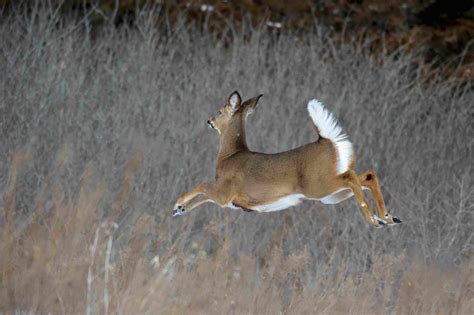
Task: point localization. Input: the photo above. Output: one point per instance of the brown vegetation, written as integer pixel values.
(441, 31)
(65, 261)
(101, 136)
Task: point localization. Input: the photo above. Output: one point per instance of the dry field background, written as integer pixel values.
(101, 135)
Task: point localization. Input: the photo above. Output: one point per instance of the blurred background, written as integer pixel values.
(441, 29)
(103, 114)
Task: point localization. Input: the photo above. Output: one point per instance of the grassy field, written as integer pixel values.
(102, 133)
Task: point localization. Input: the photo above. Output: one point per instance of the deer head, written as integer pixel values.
(233, 112)
(230, 123)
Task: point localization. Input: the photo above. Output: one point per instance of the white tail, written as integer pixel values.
(329, 128)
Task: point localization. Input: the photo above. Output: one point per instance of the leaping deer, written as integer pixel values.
(322, 170)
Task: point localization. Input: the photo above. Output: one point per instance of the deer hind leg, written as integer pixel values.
(369, 180)
(204, 192)
(351, 180)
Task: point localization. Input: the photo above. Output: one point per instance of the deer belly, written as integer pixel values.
(280, 204)
(337, 196)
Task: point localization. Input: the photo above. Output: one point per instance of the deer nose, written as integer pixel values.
(210, 123)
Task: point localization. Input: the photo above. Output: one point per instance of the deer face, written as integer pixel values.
(233, 109)
(226, 113)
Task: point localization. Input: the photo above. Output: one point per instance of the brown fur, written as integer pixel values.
(249, 179)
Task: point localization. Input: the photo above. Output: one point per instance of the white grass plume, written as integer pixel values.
(329, 128)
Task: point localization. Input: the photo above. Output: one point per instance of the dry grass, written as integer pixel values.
(101, 136)
(65, 261)
(62, 262)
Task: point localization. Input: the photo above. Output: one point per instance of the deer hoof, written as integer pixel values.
(396, 220)
(392, 220)
(378, 223)
(180, 210)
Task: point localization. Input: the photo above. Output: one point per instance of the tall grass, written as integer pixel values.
(102, 132)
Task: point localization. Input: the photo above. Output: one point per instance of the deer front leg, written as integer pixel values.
(352, 180)
(369, 180)
(179, 207)
(197, 190)
(198, 200)
(205, 192)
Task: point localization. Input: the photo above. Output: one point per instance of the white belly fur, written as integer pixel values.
(293, 200)
(337, 196)
(280, 204)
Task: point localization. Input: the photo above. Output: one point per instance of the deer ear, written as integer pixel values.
(249, 105)
(234, 101)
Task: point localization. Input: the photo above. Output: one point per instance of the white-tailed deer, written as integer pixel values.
(322, 170)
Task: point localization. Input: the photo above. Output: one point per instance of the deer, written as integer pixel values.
(321, 170)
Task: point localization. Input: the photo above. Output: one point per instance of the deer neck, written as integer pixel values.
(232, 140)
